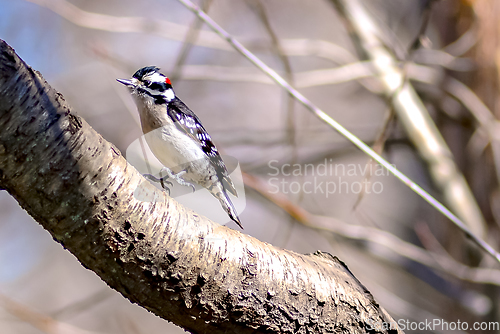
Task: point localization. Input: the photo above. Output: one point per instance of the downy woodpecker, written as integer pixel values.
(177, 138)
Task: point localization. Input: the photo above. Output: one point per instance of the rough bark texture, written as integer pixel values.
(202, 276)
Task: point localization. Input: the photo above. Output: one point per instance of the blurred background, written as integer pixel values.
(307, 188)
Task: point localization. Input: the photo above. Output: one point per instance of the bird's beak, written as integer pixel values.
(126, 82)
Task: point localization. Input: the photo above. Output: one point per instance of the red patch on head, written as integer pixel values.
(167, 80)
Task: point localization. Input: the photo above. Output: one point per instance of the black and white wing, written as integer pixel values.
(186, 121)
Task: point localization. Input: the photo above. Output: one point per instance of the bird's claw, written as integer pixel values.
(161, 180)
(151, 177)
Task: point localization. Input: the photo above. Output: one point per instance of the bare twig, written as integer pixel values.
(290, 122)
(489, 125)
(378, 146)
(426, 15)
(191, 37)
(442, 58)
(40, 321)
(79, 306)
(464, 43)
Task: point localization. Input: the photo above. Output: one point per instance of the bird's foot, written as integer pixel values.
(177, 177)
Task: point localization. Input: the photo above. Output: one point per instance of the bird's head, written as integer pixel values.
(150, 85)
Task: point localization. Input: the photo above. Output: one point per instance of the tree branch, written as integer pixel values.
(184, 268)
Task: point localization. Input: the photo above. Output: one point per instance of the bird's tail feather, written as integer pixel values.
(227, 205)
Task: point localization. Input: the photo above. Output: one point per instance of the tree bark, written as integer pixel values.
(184, 268)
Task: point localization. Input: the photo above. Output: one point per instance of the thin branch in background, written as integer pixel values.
(81, 305)
(443, 59)
(102, 53)
(378, 146)
(487, 121)
(317, 48)
(128, 325)
(477, 144)
(291, 132)
(465, 42)
(187, 45)
(40, 321)
(470, 101)
(489, 125)
(421, 39)
(439, 253)
(339, 128)
(278, 199)
(428, 240)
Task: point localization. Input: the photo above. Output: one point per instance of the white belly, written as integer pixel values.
(175, 150)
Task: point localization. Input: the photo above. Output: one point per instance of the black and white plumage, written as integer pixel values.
(177, 138)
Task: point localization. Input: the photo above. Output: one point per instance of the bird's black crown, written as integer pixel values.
(144, 71)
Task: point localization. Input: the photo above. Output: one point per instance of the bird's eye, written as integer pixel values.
(147, 83)
(158, 86)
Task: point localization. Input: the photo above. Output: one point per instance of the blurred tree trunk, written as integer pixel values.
(180, 266)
